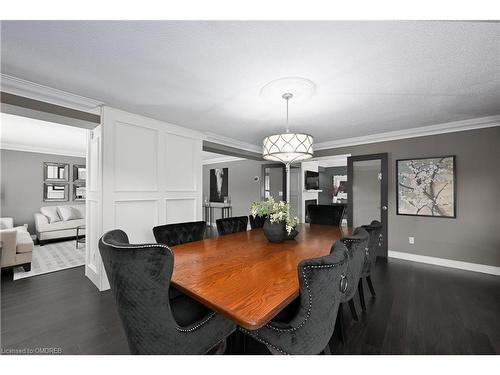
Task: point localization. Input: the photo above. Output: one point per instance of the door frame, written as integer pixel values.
(263, 179)
(384, 194)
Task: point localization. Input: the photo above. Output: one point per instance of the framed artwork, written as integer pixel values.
(79, 173)
(79, 192)
(55, 172)
(218, 184)
(426, 187)
(55, 192)
(339, 188)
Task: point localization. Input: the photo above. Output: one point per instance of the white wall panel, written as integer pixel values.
(180, 163)
(152, 175)
(137, 218)
(135, 158)
(179, 210)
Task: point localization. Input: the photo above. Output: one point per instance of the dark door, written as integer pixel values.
(367, 192)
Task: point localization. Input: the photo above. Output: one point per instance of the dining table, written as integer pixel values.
(245, 277)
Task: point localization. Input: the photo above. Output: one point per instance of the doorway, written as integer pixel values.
(367, 192)
(273, 182)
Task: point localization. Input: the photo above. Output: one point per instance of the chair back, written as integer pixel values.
(257, 221)
(356, 245)
(325, 214)
(177, 234)
(321, 282)
(232, 225)
(139, 276)
(374, 243)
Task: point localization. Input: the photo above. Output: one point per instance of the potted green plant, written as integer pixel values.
(279, 225)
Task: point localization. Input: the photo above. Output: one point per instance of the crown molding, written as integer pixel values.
(222, 159)
(447, 127)
(212, 137)
(40, 150)
(21, 87)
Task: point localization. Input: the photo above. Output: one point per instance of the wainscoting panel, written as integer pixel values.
(152, 174)
(137, 218)
(181, 162)
(179, 210)
(135, 158)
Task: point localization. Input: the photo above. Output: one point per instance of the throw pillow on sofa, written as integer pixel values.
(51, 213)
(68, 213)
(81, 210)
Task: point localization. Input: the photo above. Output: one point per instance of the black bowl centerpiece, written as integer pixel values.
(279, 226)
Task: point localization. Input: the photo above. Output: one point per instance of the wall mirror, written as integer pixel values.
(79, 192)
(55, 171)
(79, 173)
(54, 192)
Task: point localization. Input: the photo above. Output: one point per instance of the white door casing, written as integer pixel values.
(93, 208)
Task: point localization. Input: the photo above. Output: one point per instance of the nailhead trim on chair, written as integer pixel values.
(258, 338)
(128, 246)
(194, 328)
(308, 314)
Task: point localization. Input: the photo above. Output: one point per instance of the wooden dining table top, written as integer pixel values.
(245, 277)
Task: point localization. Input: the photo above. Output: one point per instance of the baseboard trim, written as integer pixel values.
(475, 267)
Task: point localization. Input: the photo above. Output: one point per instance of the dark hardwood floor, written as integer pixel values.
(419, 309)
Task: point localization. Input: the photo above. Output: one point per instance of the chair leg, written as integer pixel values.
(353, 309)
(339, 324)
(370, 285)
(361, 294)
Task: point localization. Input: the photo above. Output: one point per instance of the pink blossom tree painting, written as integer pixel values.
(426, 187)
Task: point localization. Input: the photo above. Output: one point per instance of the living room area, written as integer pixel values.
(43, 191)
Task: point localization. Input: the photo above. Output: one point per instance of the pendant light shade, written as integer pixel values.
(287, 147)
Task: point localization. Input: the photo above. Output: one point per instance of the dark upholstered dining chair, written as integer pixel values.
(177, 234)
(306, 325)
(374, 243)
(231, 225)
(325, 214)
(139, 276)
(257, 221)
(356, 246)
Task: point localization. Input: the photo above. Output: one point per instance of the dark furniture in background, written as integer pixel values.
(140, 276)
(79, 238)
(326, 214)
(306, 326)
(226, 210)
(257, 221)
(176, 234)
(374, 243)
(356, 245)
(232, 225)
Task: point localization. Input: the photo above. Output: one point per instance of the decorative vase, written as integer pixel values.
(292, 234)
(274, 232)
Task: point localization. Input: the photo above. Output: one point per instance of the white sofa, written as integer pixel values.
(17, 245)
(56, 222)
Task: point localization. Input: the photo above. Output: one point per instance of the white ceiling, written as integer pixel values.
(27, 134)
(371, 77)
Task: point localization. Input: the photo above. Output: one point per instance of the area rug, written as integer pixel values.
(53, 257)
